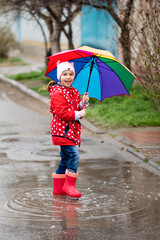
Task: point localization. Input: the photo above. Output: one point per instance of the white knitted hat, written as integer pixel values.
(64, 66)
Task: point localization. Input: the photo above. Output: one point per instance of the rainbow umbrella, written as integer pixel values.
(96, 71)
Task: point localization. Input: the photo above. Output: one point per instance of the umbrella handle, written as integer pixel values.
(85, 102)
(84, 105)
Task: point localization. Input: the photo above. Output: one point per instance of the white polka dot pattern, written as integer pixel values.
(70, 130)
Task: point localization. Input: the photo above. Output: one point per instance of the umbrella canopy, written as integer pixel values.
(96, 71)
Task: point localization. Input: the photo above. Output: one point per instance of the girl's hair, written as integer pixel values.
(50, 84)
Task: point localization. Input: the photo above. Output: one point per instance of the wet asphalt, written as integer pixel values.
(120, 194)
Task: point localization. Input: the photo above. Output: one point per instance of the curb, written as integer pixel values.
(129, 147)
(25, 89)
(143, 158)
(138, 154)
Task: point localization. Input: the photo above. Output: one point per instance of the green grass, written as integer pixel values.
(116, 112)
(28, 76)
(157, 163)
(11, 60)
(124, 111)
(33, 80)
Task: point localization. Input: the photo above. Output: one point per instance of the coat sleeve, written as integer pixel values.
(60, 107)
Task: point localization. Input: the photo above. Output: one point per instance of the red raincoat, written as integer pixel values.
(64, 102)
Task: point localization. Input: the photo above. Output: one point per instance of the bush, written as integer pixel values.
(7, 41)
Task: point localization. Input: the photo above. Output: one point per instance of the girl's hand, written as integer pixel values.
(85, 98)
(83, 112)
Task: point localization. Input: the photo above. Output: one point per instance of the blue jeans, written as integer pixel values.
(69, 159)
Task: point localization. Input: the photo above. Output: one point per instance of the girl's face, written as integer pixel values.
(67, 78)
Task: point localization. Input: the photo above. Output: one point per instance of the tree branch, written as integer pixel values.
(128, 11)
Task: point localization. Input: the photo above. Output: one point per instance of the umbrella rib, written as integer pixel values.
(78, 53)
(116, 74)
(86, 66)
(80, 61)
(103, 67)
(81, 55)
(109, 69)
(100, 76)
(82, 69)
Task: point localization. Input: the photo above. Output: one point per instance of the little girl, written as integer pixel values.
(67, 108)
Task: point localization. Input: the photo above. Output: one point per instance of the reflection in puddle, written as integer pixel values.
(65, 209)
(119, 195)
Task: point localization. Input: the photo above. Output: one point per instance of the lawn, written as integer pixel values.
(11, 61)
(124, 111)
(33, 80)
(116, 112)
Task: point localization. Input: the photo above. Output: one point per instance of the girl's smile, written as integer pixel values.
(67, 78)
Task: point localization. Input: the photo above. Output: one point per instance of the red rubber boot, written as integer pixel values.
(58, 182)
(69, 185)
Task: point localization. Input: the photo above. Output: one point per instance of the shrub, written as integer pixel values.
(7, 41)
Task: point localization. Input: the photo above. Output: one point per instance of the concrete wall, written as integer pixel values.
(90, 26)
(98, 30)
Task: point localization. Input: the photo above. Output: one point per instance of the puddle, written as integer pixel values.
(49, 152)
(54, 152)
(117, 194)
(11, 133)
(32, 203)
(11, 140)
(3, 155)
(87, 141)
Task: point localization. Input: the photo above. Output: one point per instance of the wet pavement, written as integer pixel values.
(120, 194)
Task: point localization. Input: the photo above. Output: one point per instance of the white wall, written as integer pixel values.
(29, 29)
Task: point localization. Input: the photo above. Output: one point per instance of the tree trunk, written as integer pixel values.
(70, 37)
(55, 39)
(126, 46)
